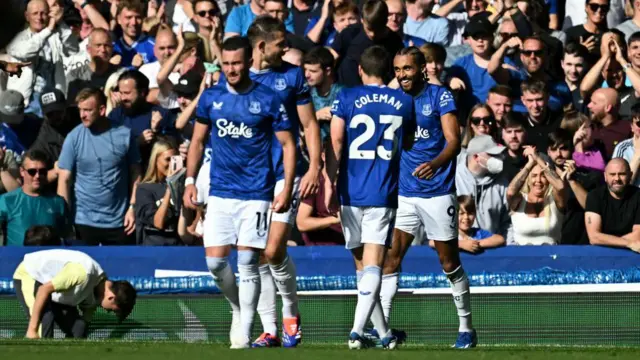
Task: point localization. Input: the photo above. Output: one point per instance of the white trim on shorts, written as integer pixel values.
(435, 217)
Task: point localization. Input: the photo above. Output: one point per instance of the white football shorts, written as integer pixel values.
(236, 222)
(435, 217)
(367, 225)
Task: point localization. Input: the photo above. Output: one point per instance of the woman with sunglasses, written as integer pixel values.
(481, 121)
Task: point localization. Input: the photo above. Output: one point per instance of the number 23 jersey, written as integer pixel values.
(377, 118)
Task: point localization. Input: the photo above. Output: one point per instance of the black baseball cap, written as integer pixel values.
(52, 100)
(189, 84)
(478, 25)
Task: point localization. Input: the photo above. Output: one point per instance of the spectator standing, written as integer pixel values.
(588, 153)
(632, 25)
(278, 9)
(134, 47)
(90, 20)
(396, 21)
(540, 120)
(30, 205)
(513, 137)
(612, 212)
(630, 149)
(145, 120)
(574, 66)
(156, 215)
(43, 44)
(500, 101)
(336, 15)
(95, 72)
(579, 182)
(302, 11)
(470, 74)
(319, 72)
(480, 122)
(103, 160)
(165, 45)
(210, 28)
(355, 39)
(536, 211)
(478, 174)
(241, 17)
(459, 20)
(422, 23)
(17, 129)
(590, 33)
(604, 112)
(473, 239)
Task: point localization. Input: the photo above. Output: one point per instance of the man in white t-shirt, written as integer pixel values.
(164, 47)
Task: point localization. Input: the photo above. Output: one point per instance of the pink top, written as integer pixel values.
(591, 159)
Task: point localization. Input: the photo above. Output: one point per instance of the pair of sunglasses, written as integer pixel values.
(211, 13)
(537, 53)
(595, 7)
(476, 120)
(33, 171)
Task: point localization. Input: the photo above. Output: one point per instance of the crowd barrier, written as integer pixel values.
(564, 295)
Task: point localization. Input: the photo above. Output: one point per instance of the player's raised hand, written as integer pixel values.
(190, 197)
(310, 183)
(425, 171)
(281, 202)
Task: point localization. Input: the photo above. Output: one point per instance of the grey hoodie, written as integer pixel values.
(490, 195)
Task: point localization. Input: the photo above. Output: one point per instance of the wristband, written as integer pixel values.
(85, 3)
(189, 181)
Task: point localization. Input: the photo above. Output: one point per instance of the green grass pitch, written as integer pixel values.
(118, 350)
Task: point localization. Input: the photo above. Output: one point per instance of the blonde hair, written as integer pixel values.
(547, 196)
(161, 145)
(112, 83)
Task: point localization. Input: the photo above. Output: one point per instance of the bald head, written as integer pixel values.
(37, 15)
(166, 44)
(617, 165)
(604, 105)
(610, 95)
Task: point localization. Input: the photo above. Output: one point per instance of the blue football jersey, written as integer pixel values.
(289, 82)
(433, 102)
(376, 120)
(143, 46)
(242, 131)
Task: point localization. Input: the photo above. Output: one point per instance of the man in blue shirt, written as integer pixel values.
(134, 47)
(369, 124)
(267, 37)
(104, 163)
(427, 196)
(241, 17)
(245, 116)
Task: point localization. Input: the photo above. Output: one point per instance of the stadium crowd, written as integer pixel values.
(98, 102)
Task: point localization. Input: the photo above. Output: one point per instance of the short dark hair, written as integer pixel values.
(238, 43)
(125, 298)
(375, 13)
(95, 93)
(535, 38)
(534, 87)
(40, 235)
(283, 2)
(560, 137)
(502, 90)
(212, 2)
(634, 37)
(264, 28)
(467, 203)
(36, 155)
(511, 120)
(142, 82)
(416, 54)
(635, 111)
(576, 49)
(375, 61)
(319, 55)
(345, 8)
